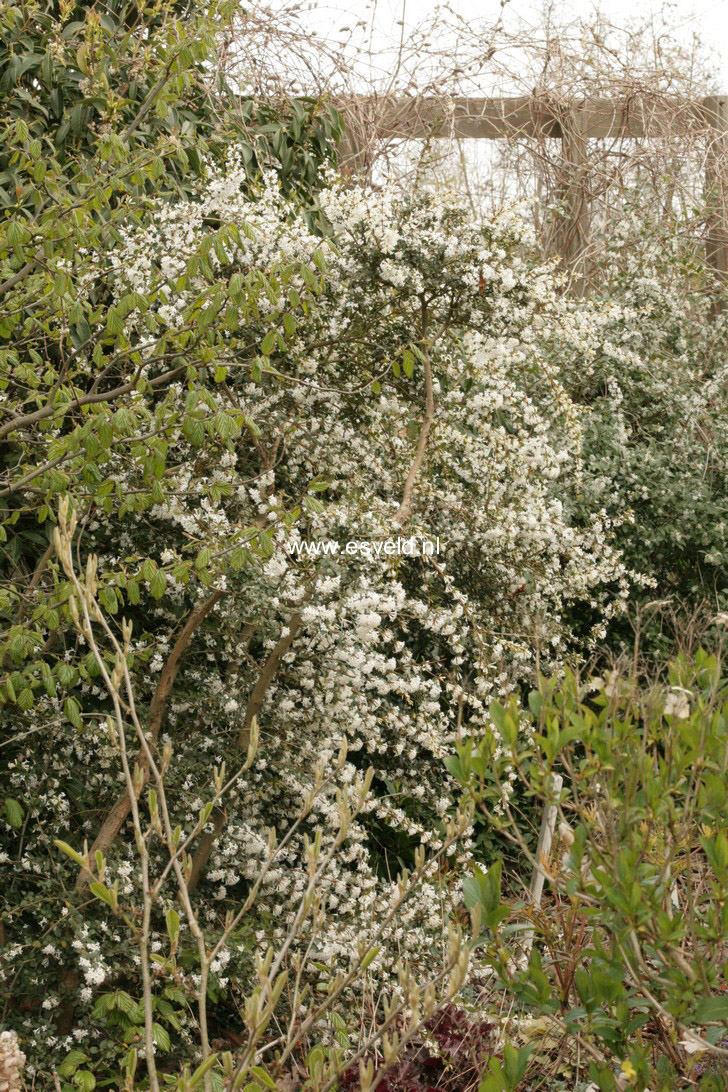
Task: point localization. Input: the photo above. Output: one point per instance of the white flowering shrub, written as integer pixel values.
(285, 390)
(649, 366)
(12, 1061)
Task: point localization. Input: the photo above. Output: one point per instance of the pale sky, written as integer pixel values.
(708, 19)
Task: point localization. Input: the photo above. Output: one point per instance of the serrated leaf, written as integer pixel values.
(114, 323)
(161, 1037)
(14, 812)
(71, 1062)
(26, 699)
(172, 920)
(73, 712)
(268, 343)
(193, 430)
(158, 584)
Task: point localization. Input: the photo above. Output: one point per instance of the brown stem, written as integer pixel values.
(151, 97)
(66, 1013)
(115, 818)
(33, 474)
(86, 400)
(20, 275)
(207, 841)
(34, 581)
(265, 678)
(204, 848)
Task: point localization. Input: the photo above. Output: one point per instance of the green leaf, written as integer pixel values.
(712, 1008)
(172, 919)
(48, 681)
(17, 234)
(131, 1062)
(494, 1081)
(158, 584)
(515, 1063)
(66, 674)
(238, 558)
(315, 1060)
(14, 813)
(716, 850)
(161, 1037)
(201, 1070)
(71, 1062)
(202, 561)
(193, 430)
(70, 852)
(148, 569)
(268, 343)
(25, 699)
(108, 600)
(484, 888)
(124, 1003)
(73, 712)
(535, 702)
(261, 1075)
(370, 957)
(114, 322)
(101, 891)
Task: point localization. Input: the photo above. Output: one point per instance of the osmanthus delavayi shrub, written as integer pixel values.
(258, 388)
(649, 365)
(278, 1010)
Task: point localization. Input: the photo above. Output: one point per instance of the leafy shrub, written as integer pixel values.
(649, 365)
(626, 956)
(280, 991)
(383, 383)
(125, 98)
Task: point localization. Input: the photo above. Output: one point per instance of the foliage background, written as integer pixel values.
(215, 348)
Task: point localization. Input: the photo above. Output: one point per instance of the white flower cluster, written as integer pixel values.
(388, 653)
(12, 1062)
(399, 656)
(650, 366)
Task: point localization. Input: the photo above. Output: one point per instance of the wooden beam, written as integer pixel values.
(529, 116)
(476, 118)
(716, 185)
(574, 123)
(573, 236)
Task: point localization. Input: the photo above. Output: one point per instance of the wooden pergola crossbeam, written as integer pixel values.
(638, 117)
(529, 116)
